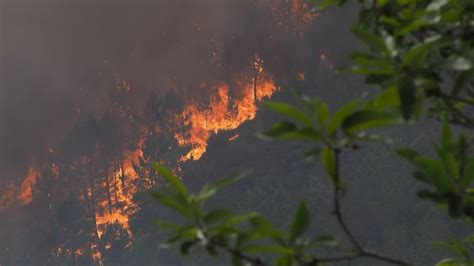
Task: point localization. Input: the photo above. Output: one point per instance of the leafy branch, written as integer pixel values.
(243, 236)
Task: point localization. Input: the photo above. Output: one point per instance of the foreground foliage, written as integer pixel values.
(420, 54)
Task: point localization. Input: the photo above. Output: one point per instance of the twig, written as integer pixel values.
(359, 251)
(337, 207)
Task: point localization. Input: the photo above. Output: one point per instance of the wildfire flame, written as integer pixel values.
(26, 194)
(123, 206)
(221, 114)
(224, 112)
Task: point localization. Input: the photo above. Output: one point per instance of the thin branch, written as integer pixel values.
(337, 207)
(359, 251)
(377, 256)
(460, 117)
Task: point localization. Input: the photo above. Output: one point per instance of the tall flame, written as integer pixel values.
(222, 114)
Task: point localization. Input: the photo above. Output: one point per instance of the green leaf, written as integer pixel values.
(186, 246)
(290, 111)
(246, 237)
(436, 5)
(186, 233)
(449, 262)
(469, 239)
(300, 222)
(237, 261)
(468, 172)
(366, 119)
(218, 215)
(461, 81)
(409, 154)
(323, 113)
(190, 232)
(452, 165)
(324, 240)
(434, 173)
(260, 222)
(172, 179)
(288, 131)
(389, 20)
(459, 63)
(279, 129)
(410, 27)
(416, 56)
(389, 98)
(209, 191)
(340, 115)
(446, 136)
(408, 96)
(371, 39)
(267, 249)
(284, 260)
(263, 227)
(327, 3)
(167, 225)
(329, 162)
(176, 202)
(171, 241)
(373, 137)
(241, 218)
(312, 154)
(369, 64)
(456, 247)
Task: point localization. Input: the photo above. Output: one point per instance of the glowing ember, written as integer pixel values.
(96, 255)
(295, 15)
(301, 76)
(301, 9)
(79, 252)
(26, 189)
(234, 137)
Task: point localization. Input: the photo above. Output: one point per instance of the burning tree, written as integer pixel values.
(160, 143)
(257, 69)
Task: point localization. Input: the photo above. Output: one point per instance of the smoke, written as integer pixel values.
(59, 59)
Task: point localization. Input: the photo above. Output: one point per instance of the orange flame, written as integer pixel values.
(123, 206)
(26, 189)
(221, 115)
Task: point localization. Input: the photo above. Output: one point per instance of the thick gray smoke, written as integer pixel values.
(55, 56)
(55, 53)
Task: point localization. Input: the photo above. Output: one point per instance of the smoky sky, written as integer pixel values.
(55, 55)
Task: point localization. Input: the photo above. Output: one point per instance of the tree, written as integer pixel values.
(257, 63)
(113, 244)
(160, 144)
(420, 55)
